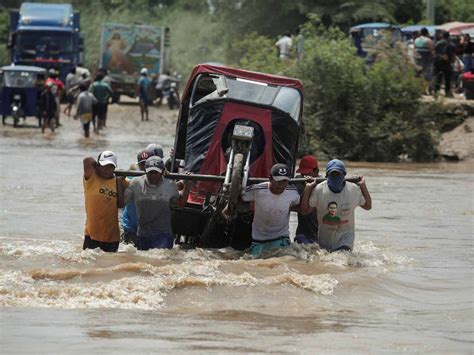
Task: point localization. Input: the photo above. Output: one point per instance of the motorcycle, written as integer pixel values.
(17, 110)
(172, 96)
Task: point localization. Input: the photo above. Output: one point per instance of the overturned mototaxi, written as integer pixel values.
(233, 126)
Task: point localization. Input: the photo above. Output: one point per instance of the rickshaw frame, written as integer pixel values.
(203, 223)
(28, 94)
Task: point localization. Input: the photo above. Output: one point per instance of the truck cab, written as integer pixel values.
(46, 35)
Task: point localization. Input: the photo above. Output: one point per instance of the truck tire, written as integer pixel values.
(236, 181)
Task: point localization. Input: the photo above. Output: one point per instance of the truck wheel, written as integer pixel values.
(236, 181)
(116, 98)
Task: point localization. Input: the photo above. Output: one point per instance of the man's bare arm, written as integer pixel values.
(365, 192)
(89, 167)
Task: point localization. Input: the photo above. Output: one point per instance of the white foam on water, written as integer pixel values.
(366, 255)
(50, 288)
(19, 289)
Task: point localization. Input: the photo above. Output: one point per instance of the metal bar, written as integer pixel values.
(246, 170)
(229, 167)
(216, 178)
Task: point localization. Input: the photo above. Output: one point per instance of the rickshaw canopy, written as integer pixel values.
(20, 76)
(241, 73)
(24, 68)
(413, 28)
(270, 104)
(455, 28)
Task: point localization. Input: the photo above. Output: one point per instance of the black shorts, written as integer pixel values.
(92, 244)
(70, 99)
(100, 110)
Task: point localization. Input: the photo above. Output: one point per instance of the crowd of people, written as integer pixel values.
(441, 59)
(91, 98)
(325, 210)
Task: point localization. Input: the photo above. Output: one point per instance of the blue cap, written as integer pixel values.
(337, 165)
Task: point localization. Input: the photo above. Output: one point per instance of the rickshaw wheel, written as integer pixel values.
(4, 118)
(236, 181)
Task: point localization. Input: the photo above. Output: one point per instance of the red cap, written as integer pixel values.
(307, 164)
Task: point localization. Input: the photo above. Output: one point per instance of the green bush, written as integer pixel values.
(352, 111)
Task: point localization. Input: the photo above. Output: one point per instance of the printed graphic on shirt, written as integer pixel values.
(109, 194)
(331, 217)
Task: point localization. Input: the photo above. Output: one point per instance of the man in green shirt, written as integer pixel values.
(101, 91)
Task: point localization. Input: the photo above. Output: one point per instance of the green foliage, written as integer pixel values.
(351, 111)
(255, 52)
(195, 38)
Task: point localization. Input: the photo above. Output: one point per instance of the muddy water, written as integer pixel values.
(407, 287)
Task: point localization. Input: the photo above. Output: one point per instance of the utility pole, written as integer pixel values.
(430, 11)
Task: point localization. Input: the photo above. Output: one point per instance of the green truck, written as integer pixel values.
(126, 49)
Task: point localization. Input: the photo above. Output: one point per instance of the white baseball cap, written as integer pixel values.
(107, 157)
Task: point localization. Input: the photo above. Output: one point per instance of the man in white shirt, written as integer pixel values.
(335, 201)
(273, 201)
(284, 46)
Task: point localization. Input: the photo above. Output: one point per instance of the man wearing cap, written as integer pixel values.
(153, 195)
(143, 85)
(104, 195)
(129, 215)
(335, 201)
(273, 201)
(307, 230)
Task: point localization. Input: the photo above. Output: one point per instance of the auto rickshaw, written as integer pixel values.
(19, 89)
(232, 127)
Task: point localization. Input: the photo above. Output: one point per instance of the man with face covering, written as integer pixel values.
(335, 191)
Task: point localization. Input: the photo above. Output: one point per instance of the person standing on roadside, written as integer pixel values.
(85, 104)
(307, 230)
(153, 196)
(143, 86)
(335, 201)
(284, 46)
(104, 195)
(425, 50)
(443, 64)
(467, 52)
(102, 92)
(299, 44)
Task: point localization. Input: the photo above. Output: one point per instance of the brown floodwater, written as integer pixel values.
(407, 287)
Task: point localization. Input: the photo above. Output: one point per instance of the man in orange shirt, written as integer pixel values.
(104, 195)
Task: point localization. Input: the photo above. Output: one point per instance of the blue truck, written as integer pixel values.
(46, 35)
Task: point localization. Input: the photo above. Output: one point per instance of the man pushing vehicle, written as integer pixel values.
(273, 202)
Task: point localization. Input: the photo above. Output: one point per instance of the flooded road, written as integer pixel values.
(407, 287)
